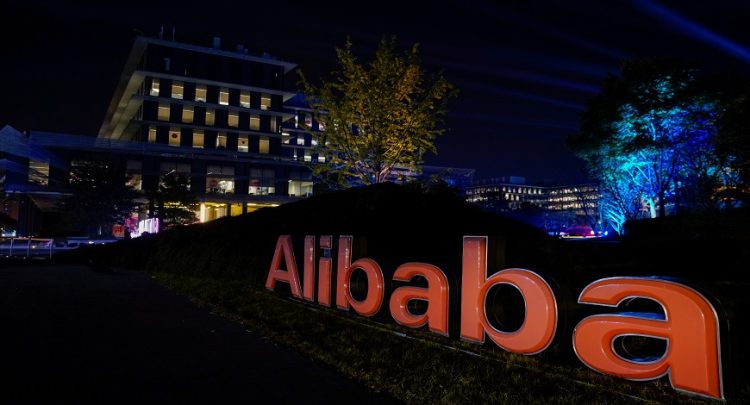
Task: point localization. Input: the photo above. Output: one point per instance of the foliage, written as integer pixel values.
(648, 139)
(99, 196)
(376, 116)
(175, 203)
(419, 369)
(733, 142)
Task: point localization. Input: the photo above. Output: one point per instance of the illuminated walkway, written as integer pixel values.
(68, 334)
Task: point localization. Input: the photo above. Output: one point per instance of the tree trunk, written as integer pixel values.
(662, 208)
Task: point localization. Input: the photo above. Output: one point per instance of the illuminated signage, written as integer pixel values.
(690, 325)
(146, 227)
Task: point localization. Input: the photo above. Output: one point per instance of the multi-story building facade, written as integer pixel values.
(211, 114)
(550, 207)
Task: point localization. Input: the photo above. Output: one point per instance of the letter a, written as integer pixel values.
(691, 328)
(275, 273)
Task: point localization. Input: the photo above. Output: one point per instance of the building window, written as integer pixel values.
(224, 96)
(308, 121)
(264, 144)
(210, 116)
(178, 90)
(174, 136)
(220, 179)
(233, 119)
(285, 138)
(261, 182)
(296, 121)
(298, 188)
(198, 137)
(265, 101)
(301, 140)
(273, 124)
(245, 99)
(200, 92)
(254, 122)
(163, 112)
(308, 155)
(221, 140)
(321, 159)
(242, 143)
(183, 169)
(154, 87)
(38, 173)
(134, 170)
(187, 114)
(151, 134)
(321, 126)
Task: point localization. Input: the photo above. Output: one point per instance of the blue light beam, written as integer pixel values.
(694, 29)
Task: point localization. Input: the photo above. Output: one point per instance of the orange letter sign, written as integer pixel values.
(540, 321)
(275, 273)
(691, 329)
(436, 295)
(371, 304)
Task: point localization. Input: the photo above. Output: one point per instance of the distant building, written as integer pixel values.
(551, 207)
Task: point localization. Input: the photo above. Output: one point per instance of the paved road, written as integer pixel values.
(69, 334)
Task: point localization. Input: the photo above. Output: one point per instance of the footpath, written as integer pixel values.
(72, 335)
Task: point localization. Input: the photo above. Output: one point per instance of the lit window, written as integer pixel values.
(163, 112)
(308, 121)
(298, 188)
(300, 140)
(296, 121)
(134, 170)
(224, 96)
(177, 90)
(285, 138)
(151, 134)
(200, 92)
(221, 141)
(210, 116)
(198, 137)
(264, 144)
(174, 136)
(154, 87)
(265, 102)
(220, 179)
(242, 143)
(321, 159)
(233, 120)
(245, 99)
(254, 122)
(38, 172)
(308, 155)
(314, 142)
(321, 126)
(188, 114)
(262, 182)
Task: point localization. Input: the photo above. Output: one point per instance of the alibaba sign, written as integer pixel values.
(690, 326)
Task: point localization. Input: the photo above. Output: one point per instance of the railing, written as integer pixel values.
(32, 247)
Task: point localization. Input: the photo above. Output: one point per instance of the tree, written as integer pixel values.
(732, 143)
(99, 197)
(378, 116)
(175, 203)
(647, 139)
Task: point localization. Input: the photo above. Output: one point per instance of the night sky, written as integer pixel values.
(525, 69)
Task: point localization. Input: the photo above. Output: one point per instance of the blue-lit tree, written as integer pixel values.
(648, 139)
